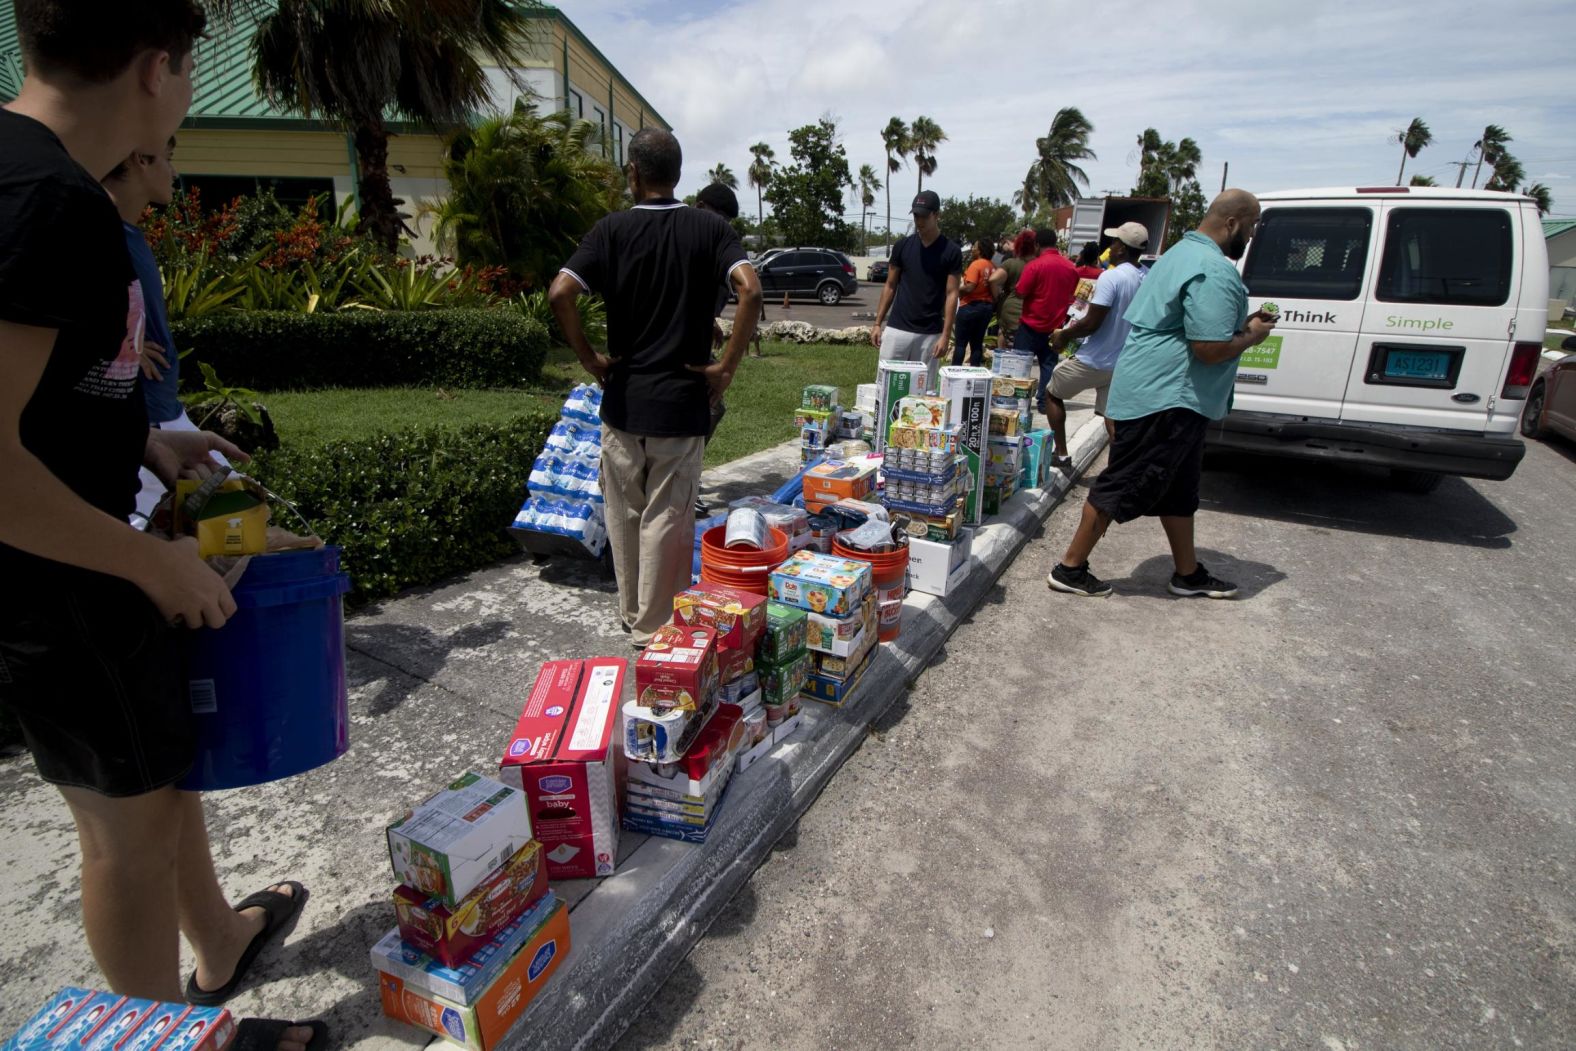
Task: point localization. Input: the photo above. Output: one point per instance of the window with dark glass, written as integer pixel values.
(1460, 256)
(1309, 253)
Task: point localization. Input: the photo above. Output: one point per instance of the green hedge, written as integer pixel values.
(415, 506)
(280, 350)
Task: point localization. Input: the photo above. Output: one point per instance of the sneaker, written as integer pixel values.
(1077, 581)
(702, 511)
(1063, 464)
(1201, 583)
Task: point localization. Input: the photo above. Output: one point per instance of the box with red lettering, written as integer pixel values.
(562, 756)
(737, 616)
(677, 669)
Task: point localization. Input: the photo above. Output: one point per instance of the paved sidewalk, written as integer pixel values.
(437, 677)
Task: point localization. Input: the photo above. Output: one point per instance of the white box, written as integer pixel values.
(937, 569)
(450, 844)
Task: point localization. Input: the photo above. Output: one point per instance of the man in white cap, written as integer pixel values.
(1103, 330)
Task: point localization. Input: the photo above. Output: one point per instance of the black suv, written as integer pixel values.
(818, 272)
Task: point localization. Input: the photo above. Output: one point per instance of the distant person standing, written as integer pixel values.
(921, 292)
(1046, 288)
(1103, 329)
(1089, 261)
(1009, 305)
(976, 305)
(658, 266)
(1190, 324)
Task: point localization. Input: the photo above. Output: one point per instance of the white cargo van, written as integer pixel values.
(1411, 322)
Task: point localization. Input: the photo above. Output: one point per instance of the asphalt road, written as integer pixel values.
(857, 309)
(1336, 814)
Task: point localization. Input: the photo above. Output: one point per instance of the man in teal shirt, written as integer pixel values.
(1176, 372)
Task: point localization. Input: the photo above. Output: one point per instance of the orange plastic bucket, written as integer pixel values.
(890, 576)
(740, 568)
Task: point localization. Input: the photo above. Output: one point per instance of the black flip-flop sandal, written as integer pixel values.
(262, 1034)
(279, 909)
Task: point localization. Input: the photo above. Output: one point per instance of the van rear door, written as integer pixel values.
(1309, 261)
(1437, 334)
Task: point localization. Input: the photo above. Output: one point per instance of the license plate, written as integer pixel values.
(1417, 365)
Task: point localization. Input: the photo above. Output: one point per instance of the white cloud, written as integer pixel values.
(1291, 94)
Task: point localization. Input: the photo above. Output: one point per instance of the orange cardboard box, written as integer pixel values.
(483, 1025)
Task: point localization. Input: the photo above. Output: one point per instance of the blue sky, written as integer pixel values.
(1291, 94)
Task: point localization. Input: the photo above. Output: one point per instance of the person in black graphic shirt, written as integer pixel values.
(89, 661)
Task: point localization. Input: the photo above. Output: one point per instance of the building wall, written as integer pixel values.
(1562, 248)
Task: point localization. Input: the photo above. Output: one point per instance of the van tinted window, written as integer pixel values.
(1446, 255)
(1309, 253)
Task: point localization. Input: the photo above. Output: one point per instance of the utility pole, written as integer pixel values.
(1225, 166)
(1461, 170)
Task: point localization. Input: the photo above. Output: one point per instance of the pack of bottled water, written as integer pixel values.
(577, 519)
(564, 490)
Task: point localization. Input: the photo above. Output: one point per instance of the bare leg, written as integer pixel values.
(1179, 531)
(1091, 527)
(128, 888)
(1056, 413)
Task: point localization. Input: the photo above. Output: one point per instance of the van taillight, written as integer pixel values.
(1523, 367)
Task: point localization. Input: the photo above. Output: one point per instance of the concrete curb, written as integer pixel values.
(637, 926)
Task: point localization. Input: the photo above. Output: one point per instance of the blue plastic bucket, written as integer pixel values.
(268, 689)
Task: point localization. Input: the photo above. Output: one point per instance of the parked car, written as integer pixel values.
(1551, 404)
(1411, 325)
(877, 271)
(818, 272)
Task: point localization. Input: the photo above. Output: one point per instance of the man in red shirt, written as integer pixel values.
(1047, 288)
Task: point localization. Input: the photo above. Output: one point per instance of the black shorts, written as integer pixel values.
(1155, 467)
(95, 677)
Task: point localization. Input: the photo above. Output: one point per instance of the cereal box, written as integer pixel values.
(784, 636)
(452, 936)
(922, 411)
(563, 758)
(463, 982)
(481, 1026)
(678, 668)
(737, 616)
(450, 844)
(819, 396)
(821, 583)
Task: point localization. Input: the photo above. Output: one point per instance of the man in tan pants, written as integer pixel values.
(657, 266)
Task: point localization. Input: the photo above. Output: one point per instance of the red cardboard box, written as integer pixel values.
(451, 936)
(737, 616)
(678, 667)
(563, 757)
(733, 665)
(482, 1025)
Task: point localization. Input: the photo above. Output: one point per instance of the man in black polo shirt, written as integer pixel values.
(657, 266)
(921, 292)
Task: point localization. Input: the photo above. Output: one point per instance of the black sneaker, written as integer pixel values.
(1201, 583)
(1063, 464)
(1077, 581)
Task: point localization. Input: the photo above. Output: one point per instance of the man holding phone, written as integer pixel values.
(1190, 324)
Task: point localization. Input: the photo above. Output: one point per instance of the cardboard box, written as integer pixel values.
(967, 389)
(464, 982)
(663, 737)
(783, 635)
(820, 583)
(921, 410)
(784, 680)
(895, 380)
(77, 1019)
(839, 479)
(678, 668)
(481, 1026)
(451, 843)
(1004, 422)
(839, 638)
(836, 692)
(820, 396)
(737, 616)
(734, 665)
(1036, 463)
(452, 936)
(817, 419)
(563, 757)
(933, 567)
(740, 689)
(829, 666)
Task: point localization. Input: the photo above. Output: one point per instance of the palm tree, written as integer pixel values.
(924, 135)
(1054, 177)
(895, 138)
(1541, 196)
(1490, 148)
(868, 185)
(1423, 180)
(1150, 145)
(760, 176)
(1507, 175)
(1182, 163)
(359, 62)
(1414, 138)
(723, 175)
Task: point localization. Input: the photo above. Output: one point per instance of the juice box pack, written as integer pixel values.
(482, 1025)
(782, 681)
(737, 616)
(450, 844)
(563, 757)
(821, 583)
(453, 936)
(819, 396)
(77, 1019)
(784, 634)
(678, 668)
(464, 982)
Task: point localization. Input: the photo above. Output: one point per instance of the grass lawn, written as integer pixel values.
(761, 401)
(1553, 342)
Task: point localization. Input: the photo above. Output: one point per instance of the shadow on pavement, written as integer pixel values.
(419, 652)
(1352, 499)
(1150, 577)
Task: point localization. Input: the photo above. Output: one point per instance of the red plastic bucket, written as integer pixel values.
(740, 567)
(890, 575)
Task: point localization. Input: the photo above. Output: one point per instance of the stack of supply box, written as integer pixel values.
(1015, 395)
(838, 597)
(85, 1020)
(478, 933)
(967, 390)
(925, 477)
(782, 662)
(827, 483)
(563, 756)
(865, 405)
(1009, 418)
(564, 493)
(818, 418)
